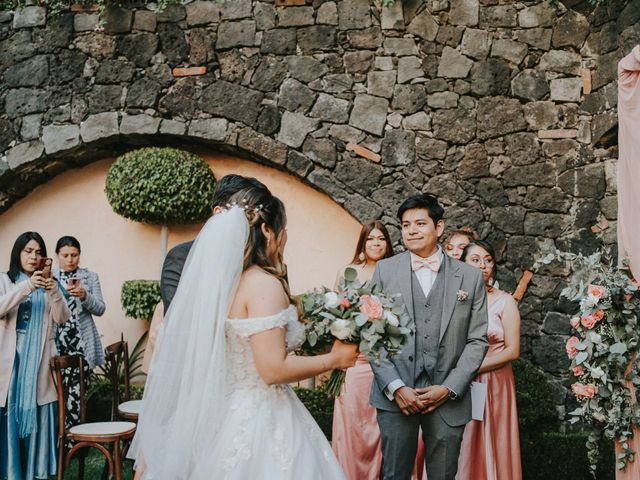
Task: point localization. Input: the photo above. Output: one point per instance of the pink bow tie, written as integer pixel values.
(432, 263)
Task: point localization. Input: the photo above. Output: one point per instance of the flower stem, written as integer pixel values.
(334, 385)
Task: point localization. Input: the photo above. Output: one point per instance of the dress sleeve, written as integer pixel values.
(251, 326)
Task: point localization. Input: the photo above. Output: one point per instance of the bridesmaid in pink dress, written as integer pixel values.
(356, 436)
(491, 448)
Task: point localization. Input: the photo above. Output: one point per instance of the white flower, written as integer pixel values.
(391, 319)
(331, 300)
(593, 337)
(589, 302)
(597, 372)
(341, 329)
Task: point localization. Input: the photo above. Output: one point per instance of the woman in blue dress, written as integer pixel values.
(31, 301)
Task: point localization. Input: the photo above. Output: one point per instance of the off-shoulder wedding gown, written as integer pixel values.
(267, 432)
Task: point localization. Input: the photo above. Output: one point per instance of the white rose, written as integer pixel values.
(597, 372)
(331, 300)
(594, 337)
(391, 319)
(341, 329)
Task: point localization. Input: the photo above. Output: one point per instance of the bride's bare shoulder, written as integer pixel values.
(261, 293)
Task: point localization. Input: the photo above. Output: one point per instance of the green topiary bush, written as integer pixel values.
(140, 297)
(320, 406)
(534, 395)
(161, 186)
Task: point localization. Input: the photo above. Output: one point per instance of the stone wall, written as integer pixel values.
(504, 109)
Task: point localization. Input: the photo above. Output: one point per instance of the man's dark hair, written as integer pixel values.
(424, 201)
(231, 184)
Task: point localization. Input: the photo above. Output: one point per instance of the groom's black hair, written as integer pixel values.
(231, 184)
(425, 201)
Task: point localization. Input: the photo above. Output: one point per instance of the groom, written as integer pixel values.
(427, 384)
(174, 261)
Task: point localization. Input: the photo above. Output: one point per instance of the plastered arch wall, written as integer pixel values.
(322, 235)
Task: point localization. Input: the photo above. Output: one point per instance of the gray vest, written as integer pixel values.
(427, 313)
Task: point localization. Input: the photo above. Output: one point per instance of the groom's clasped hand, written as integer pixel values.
(421, 400)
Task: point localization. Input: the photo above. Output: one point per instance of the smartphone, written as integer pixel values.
(73, 283)
(44, 264)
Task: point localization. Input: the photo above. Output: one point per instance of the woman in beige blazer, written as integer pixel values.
(30, 302)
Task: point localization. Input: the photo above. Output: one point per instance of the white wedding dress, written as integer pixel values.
(207, 414)
(267, 432)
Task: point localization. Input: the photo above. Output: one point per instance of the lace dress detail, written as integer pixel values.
(267, 433)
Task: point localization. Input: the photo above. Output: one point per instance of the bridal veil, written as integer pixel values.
(184, 398)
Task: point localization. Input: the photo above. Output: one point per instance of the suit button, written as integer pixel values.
(424, 351)
(427, 304)
(426, 336)
(410, 358)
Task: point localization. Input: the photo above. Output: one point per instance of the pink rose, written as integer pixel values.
(598, 315)
(584, 391)
(371, 306)
(345, 303)
(575, 322)
(596, 291)
(578, 371)
(572, 351)
(588, 322)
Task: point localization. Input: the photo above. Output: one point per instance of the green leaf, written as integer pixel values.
(350, 275)
(618, 348)
(581, 357)
(361, 319)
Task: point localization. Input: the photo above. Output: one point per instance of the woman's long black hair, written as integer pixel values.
(15, 267)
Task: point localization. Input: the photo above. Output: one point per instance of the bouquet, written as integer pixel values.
(356, 313)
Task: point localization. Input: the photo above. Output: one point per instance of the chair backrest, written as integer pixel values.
(117, 355)
(57, 365)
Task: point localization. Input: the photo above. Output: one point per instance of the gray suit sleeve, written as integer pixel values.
(385, 372)
(94, 302)
(474, 351)
(171, 272)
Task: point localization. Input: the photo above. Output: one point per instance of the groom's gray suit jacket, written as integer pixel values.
(450, 341)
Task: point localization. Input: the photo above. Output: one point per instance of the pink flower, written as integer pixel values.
(588, 322)
(582, 391)
(575, 322)
(572, 351)
(596, 291)
(345, 303)
(578, 371)
(371, 306)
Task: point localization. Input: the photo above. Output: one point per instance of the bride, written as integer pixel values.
(217, 404)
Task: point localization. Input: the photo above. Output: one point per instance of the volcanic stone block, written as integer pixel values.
(244, 107)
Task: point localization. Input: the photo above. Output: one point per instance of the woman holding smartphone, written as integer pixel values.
(84, 299)
(31, 301)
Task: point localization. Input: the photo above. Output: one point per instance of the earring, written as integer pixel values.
(361, 257)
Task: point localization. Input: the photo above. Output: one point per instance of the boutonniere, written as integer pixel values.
(462, 295)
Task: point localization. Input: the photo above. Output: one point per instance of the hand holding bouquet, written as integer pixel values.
(355, 313)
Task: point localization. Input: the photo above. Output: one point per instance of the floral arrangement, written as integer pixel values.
(603, 349)
(356, 313)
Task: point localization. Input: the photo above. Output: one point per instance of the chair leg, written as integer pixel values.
(61, 459)
(81, 457)
(118, 460)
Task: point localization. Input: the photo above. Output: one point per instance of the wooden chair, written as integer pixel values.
(86, 434)
(118, 354)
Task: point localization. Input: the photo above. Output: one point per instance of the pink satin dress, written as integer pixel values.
(491, 448)
(628, 197)
(356, 436)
